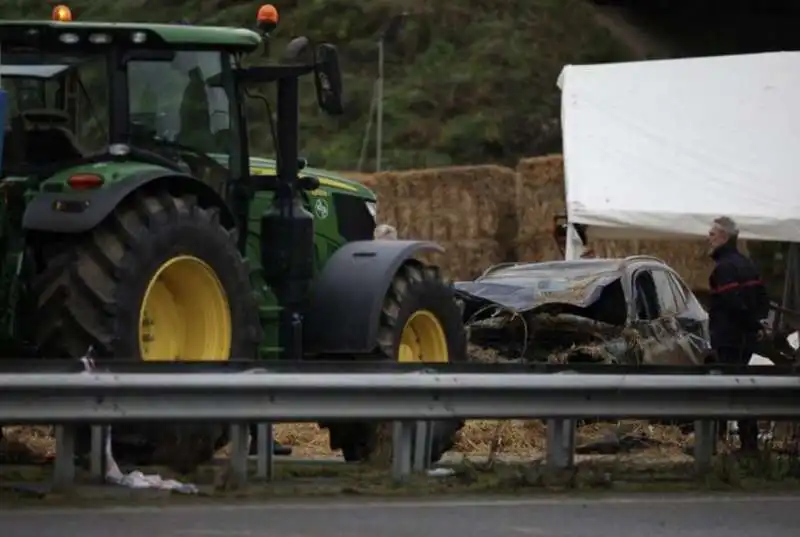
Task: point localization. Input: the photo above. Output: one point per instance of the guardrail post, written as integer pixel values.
(402, 445)
(560, 443)
(423, 445)
(64, 471)
(240, 447)
(705, 438)
(265, 463)
(98, 464)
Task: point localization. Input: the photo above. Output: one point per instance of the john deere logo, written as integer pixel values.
(321, 209)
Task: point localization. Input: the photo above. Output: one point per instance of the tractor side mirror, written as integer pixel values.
(328, 80)
(295, 49)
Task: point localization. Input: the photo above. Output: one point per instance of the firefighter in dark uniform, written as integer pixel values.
(738, 304)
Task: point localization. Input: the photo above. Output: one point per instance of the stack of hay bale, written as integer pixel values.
(539, 199)
(489, 214)
(468, 210)
(541, 196)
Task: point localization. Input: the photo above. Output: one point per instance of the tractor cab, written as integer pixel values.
(43, 121)
(79, 93)
(166, 95)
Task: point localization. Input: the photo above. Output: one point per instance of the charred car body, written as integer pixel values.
(632, 311)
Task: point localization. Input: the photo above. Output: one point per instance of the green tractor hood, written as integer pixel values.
(327, 180)
(114, 171)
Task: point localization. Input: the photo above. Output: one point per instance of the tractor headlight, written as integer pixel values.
(372, 207)
(100, 39)
(69, 38)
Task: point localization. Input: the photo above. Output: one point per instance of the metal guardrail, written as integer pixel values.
(408, 399)
(368, 366)
(111, 397)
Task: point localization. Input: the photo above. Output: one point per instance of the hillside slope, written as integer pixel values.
(468, 81)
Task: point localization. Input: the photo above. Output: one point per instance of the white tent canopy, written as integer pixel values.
(658, 149)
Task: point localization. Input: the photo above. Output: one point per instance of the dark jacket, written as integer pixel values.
(738, 298)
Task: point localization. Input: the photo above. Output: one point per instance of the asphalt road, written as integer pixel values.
(639, 516)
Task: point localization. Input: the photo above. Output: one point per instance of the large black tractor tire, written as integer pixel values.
(159, 279)
(419, 307)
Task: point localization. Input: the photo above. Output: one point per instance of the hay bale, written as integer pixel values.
(381, 188)
(467, 210)
(540, 194)
(526, 437)
(453, 204)
(466, 260)
(366, 178)
(539, 247)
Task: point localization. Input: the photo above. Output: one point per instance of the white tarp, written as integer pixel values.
(657, 149)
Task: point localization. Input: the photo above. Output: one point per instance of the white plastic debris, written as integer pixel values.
(138, 480)
(135, 479)
(440, 472)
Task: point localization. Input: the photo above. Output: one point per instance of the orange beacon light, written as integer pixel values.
(61, 13)
(267, 17)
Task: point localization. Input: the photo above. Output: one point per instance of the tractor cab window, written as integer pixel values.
(25, 94)
(179, 108)
(57, 109)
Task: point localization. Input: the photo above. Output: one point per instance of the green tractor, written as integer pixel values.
(136, 225)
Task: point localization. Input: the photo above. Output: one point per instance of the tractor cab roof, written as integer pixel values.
(32, 71)
(88, 36)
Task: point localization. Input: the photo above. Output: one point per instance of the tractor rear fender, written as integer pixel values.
(346, 298)
(82, 211)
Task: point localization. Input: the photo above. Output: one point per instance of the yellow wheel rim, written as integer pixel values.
(423, 339)
(185, 314)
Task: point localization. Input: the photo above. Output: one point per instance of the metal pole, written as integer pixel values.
(379, 99)
(368, 131)
(285, 254)
(790, 300)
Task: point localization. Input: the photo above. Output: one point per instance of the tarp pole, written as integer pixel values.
(574, 245)
(3, 106)
(791, 284)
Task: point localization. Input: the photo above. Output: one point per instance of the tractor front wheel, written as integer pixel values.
(420, 322)
(159, 280)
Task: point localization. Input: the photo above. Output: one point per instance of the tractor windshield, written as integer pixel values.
(181, 102)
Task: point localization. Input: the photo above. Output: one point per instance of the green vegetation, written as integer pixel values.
(467, 81)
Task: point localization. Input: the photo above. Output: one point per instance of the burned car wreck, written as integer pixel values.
(632, 311)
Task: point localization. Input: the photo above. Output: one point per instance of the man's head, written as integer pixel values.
(723, 230)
